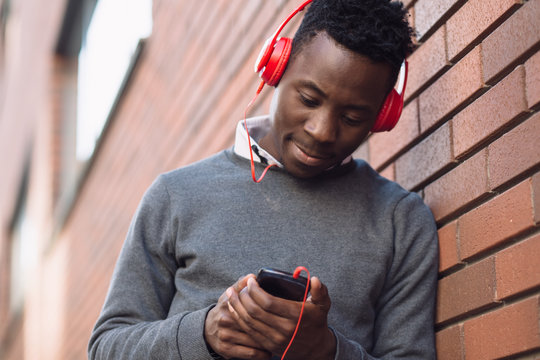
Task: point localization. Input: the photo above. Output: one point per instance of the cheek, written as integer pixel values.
(352, 140)
(286, 118)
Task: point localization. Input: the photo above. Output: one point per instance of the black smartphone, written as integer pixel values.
(282, 284)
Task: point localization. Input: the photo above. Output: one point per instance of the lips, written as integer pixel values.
(309, 157)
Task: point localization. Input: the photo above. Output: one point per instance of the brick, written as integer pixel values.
(511, 40)
(536, 197)
(458, 187)
(425, 159)
(428, 13)
(532, 81)
(449, 343)
(472, 20)
(518, 268)
(448, 249)
(428, 60)
(458, 84)
(385, 145)
(469, 289)
(515, 152)
(496, 221)
(490, 113)
(503, 332)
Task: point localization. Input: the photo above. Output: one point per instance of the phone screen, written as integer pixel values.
(282, 284)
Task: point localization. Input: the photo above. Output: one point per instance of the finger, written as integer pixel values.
(245, 352)
(275, 305)
(226, 337)
(242, 282)
(227, 318)
(237, 337)
(319, 293)
(270, 334)
(269, 310)
(239, 312)
(236, 351)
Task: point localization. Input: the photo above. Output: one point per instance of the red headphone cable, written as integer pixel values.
(259, 89)
(296, 274)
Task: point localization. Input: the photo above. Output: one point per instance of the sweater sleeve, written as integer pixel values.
(404, 326)
(134, 322)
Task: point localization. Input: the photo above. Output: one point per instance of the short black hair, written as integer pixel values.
(377, 29)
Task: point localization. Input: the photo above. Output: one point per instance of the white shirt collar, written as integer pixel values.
(258, 127)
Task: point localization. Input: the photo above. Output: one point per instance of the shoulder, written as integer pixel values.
(209, 179)
(200, 172)
(206, 165)
(376, 185)
(386, 196)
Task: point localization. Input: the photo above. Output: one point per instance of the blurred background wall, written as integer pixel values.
(468, 142)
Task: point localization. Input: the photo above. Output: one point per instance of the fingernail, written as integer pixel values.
(229, 293)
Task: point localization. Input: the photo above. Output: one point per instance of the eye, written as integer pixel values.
(308, 101)
(353, 121)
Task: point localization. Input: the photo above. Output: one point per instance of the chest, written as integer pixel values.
(347, 248)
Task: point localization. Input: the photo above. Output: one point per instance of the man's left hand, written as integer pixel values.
(271, 321)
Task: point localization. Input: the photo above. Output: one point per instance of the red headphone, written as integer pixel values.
(275, 53)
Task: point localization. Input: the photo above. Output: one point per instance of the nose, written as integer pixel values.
(322, 127)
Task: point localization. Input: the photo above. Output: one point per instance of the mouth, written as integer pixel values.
(310, 157)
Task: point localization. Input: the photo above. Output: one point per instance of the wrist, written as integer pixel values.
(213, 354)
(327, 349)
(209, 348)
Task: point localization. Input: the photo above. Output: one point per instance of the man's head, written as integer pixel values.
(377, 29)
(336, 81)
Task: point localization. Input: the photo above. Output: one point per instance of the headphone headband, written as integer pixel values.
(270, 43)
(402, 80)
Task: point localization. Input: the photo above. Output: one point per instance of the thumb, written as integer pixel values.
(319, 293)
(242, 282)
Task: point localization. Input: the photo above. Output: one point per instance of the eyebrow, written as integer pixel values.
(313, 86)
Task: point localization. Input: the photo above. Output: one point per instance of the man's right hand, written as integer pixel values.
(223, 334)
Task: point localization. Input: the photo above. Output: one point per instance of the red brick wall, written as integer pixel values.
(468, 142)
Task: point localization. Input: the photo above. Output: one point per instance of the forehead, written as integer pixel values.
(336, 68)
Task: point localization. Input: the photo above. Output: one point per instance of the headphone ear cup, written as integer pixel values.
(274, 69)
(390, 112)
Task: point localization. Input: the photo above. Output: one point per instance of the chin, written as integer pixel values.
(302, 172)
(300, 175)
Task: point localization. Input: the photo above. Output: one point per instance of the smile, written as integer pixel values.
(309, 158)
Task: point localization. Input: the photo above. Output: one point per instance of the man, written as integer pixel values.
(371, 244)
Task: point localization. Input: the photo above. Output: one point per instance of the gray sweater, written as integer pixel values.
(201, 227)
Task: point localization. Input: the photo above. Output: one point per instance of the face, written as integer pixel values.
(324, 106)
